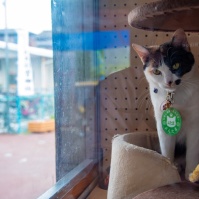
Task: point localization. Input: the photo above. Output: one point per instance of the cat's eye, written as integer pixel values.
(176, 66)
(157, 72)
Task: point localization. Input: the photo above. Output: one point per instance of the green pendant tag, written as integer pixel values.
(171, 121)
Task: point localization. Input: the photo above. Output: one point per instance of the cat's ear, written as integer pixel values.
(142, 52)
(180, 40)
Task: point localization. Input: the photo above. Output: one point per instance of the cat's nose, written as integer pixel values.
(169, 83)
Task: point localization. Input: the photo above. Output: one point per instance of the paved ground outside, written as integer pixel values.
(27, 165)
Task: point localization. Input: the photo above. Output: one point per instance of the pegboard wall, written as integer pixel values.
(125, 101)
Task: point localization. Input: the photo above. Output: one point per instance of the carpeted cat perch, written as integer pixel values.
(136, 166)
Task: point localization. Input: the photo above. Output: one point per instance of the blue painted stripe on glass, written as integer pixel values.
(91, 40)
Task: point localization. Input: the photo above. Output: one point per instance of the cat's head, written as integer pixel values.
(166, 65)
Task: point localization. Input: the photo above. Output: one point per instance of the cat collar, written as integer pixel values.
(169, 100)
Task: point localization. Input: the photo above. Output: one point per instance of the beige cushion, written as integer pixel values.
(136, 166)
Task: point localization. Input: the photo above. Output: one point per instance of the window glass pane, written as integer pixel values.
(84, 54)
(27, 138)
(75, 68)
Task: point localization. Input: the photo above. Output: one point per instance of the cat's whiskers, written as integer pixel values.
(142, 80)
(144, 99)
(190, 82)
(148, 105)
(186, 89)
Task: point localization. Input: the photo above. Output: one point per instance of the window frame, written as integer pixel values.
(77, 183)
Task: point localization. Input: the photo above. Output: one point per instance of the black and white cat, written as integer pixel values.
(170, 68)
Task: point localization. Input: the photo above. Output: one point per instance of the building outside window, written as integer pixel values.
(27, 125)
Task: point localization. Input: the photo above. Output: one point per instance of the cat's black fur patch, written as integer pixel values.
(178, 81)
(180, 150)
(154, 58)
(180, 154)
(173, 55)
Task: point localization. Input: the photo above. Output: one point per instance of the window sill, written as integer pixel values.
(75, 182)
(98, 193)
